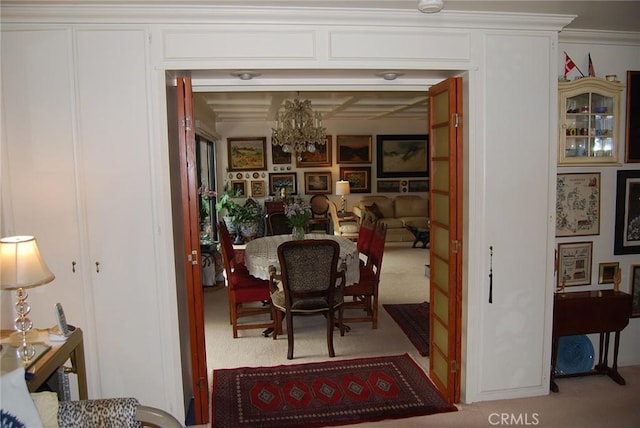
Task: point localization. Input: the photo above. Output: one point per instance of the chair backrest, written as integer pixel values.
(365, 234)
(374, 261)
(319, 205)
(226, 246)
(279, 224)
(309, 272)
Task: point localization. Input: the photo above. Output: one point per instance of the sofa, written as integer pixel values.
(396, 213)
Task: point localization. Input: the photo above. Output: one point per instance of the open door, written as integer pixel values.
(192, 256)
(445, 211)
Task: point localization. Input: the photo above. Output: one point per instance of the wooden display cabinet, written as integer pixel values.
(589, 122)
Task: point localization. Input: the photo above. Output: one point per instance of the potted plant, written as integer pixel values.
(247, 219)
(226, 202)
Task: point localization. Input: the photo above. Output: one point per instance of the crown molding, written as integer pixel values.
(62, 12)
(619, 38)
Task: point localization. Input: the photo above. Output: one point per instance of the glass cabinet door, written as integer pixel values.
(589, 117)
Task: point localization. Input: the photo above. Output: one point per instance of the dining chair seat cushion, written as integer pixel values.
(349, 228)
(251, 294)
(308, 304)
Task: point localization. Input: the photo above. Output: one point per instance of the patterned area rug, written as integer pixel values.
(324, 394)
(413, 319)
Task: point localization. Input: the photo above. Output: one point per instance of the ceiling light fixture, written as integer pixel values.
(298, 129)
(245, 75)
(430, 6)
(389, 75)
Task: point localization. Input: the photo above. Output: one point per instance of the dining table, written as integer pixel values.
(261, 253)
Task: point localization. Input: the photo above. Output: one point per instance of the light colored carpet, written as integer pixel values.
(585, 402)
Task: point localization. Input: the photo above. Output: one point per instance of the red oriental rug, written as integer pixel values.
(413, 319)
(324, 394)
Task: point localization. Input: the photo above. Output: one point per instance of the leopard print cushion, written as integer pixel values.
(107, 413)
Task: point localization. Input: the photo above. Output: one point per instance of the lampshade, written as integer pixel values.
(21, 265)
(342, 188)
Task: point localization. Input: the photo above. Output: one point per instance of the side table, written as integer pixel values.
(71, 349)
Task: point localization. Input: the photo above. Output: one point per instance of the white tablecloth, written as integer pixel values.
(263, 252)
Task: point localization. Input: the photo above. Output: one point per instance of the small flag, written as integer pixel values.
(568, 64)
(592, 71)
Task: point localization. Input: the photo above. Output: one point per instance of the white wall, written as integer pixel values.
(610, 54)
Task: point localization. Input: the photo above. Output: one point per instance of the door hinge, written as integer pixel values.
(456, 246)
(193, 257)
(456, 120)
(455, 366)
(186, 123)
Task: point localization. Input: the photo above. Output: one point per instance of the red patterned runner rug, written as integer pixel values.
(324, 394)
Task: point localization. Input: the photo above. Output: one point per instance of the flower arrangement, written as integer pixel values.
(297, 212)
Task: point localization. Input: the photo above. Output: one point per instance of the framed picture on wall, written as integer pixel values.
(257, 188)
(239, 187)
(635, 291)
(321, 157)
(359, 178)
(419, 185)
(574, 263)
(627, 232)
(279, 156)
(317, 182)
(278, 180)
(247, 153)
(607, 271)
(578, 204)
(632, 152)
(388, 186)
(354, 148)
(402, 156)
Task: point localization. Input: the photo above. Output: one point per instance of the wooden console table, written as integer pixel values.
(71, 349)
(591, 312)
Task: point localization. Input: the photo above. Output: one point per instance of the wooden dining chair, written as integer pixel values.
(279, 224)
(309, 283)
(346, 228)
(247, 294)
(365, 235)
(319, 214)
(364, 294)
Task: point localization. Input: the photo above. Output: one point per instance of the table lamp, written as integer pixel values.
(22, 267)
(342, 189)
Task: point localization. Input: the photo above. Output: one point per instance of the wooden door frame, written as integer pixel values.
(191, 233)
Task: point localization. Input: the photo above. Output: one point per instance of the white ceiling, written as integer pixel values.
(250, 101)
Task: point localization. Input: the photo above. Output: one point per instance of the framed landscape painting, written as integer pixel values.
(321, 157)
(278, 180)
(279, 156)
(317, 182)
(359, 178)
(402, 156)
(354, 148)
(247, 153)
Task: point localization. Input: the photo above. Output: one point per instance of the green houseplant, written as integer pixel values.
(225, 202)
(247, 218)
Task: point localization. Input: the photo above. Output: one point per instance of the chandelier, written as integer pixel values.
(298, 129)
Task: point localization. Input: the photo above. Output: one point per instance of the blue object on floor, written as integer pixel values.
(575, 355)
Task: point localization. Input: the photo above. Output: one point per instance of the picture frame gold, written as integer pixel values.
(353, 148)
(317, 182)
(247, 153)
(240, 188)
(321, 157)
(257, 189)
(606, 272)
